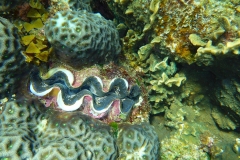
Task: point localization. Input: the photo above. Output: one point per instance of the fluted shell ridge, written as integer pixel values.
(89, 94)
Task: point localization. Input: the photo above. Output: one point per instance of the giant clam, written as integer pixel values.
(90, 96)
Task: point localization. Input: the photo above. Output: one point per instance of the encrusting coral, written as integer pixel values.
(81, 38)
(12, 64)
(67, 135)
(172, 22)
(137, 142)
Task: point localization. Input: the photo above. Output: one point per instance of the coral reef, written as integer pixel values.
(191, 142)
(12, 64)
(48, 133)
(35, 45)
(79, 5)
(163, 81)
(30, 131)
(81, 38)
(177, 68)
(178, 114)
(176, 147)
(91, 97)
(75, 5)
(226, 96)
(137, 142)
(236, 146)
(174, 23)
(224, 122)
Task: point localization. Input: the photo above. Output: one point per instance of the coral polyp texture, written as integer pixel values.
(90, 96)
(30, 131)
(81, 38)
(137, 142)
(67, 136)
(11, 60)
(215, 23)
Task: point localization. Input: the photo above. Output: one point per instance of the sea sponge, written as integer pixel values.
(81, 38)
(11, 60)
(137, 141)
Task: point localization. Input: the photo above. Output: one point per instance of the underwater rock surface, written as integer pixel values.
(227, 97)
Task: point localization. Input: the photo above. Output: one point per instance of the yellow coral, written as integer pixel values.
(32, 48)
(45, 17)
(27, 39)
(43, 56)
(40, 44)
(35, 24)
(33, 39)
(36, 4)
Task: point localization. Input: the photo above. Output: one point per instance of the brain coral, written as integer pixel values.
(11, 60)
(66, 135)
(80, 37)
(137, 142)
(31, 131)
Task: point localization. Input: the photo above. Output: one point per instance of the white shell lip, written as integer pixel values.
(125, 81)
(52, 71)
(39, 93)
(95, 112)
(65, 107)
(99, 80)
(79, 102)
